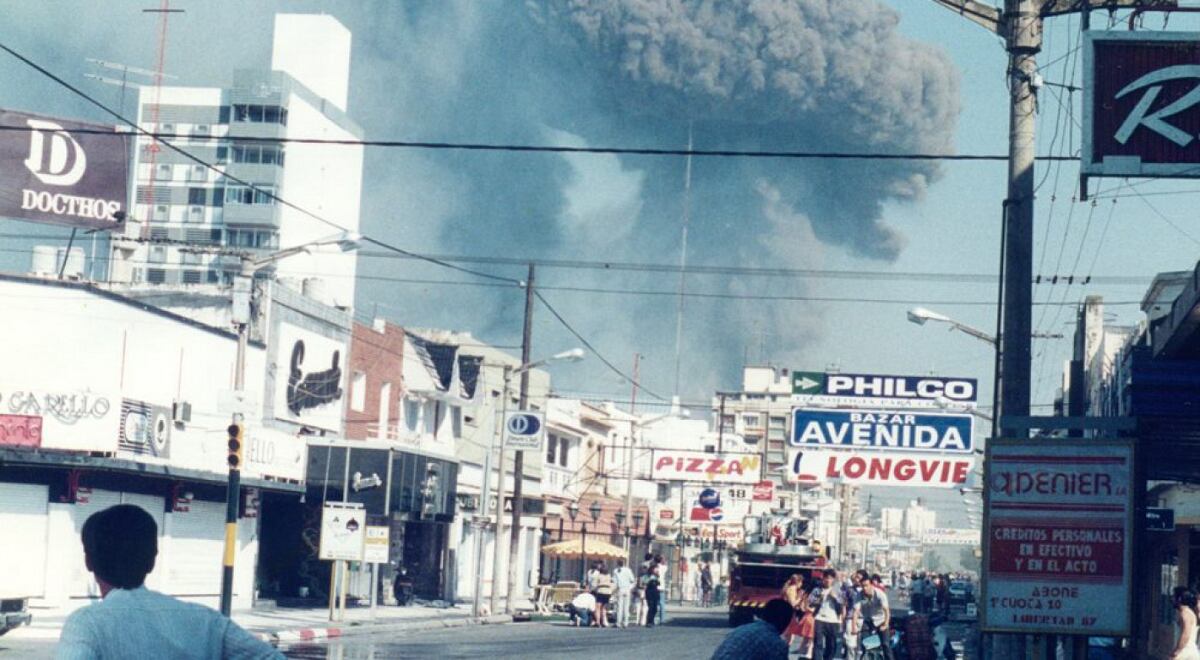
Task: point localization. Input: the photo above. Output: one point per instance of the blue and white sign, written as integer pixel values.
(914, 388)
(709, 498)
(524, 430)
(882, 430)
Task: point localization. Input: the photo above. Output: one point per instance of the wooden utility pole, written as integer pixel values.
(514, 544)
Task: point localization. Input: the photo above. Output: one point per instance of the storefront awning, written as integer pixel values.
(10, 457)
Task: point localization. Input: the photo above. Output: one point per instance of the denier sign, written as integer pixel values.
(1058, 539)
(882, 430)
(1141, 104)
(51, 172)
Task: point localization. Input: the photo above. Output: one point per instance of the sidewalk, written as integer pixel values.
(285, 625)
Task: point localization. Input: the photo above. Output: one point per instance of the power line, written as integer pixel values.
(560, 149)
(592, 348)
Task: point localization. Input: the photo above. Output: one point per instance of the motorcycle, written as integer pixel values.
(402, 587)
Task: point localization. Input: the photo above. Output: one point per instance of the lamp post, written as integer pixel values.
(573, 511)
(240, 313)
(639, 425)
(573, 355)
(621, 528)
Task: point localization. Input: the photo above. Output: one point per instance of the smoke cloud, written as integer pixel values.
(823, 74)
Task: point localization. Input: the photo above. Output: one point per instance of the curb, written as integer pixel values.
(322, 634)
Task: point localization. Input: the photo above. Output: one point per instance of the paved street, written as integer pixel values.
(691, 634)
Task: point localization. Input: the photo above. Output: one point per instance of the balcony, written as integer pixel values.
(252, 215)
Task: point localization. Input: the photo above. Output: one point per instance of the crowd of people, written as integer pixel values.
(830, 612)
(612, 598)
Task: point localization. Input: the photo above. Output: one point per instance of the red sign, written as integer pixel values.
(764, 491)
(1057, 547)
(1141, 109)
(701, 514)
(20, 431)
(666, 514)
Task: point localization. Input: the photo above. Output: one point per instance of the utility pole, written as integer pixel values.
(633, 425)
(519, 456)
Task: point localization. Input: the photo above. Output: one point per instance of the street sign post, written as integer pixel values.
(1160, 520)
(1058, 537)
(524, 430)
(343, 526)
(376, 544)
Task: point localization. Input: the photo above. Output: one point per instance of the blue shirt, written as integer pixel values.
(139, 623)
(753, 641)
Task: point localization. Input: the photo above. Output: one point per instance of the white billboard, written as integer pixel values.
(343, 531)
(876, 468)
(951, 536)
(682, 465)
(310, 378)
(1057, 550)
(69, 420)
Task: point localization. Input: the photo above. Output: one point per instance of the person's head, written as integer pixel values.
(120, 545)
(868, 588)
(1184, 597)
(603, 569)
(877, 579)
(649, 556)
(620, 563)
(658, 559)
(778, 613)
(859, 577)
(795, 579)
(828, 577)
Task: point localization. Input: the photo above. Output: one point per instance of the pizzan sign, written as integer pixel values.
(52, 172)
(732, 468)
(1141, 106)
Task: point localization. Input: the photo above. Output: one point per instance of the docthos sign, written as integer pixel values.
(524, 424)
(62, 172)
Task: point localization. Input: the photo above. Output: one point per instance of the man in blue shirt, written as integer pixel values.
(762, 639)
(120, 545)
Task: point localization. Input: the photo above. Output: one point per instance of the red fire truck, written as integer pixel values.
(776, 547)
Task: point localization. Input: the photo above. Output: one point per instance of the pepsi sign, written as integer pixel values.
(709, 498)
(524, 430)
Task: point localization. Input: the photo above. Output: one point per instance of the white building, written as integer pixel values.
(918, 519)
(185, 213)
(891, 521)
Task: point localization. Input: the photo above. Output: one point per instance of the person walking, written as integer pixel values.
(1185, 613)
(876, 618)
(664, 584)
(706, 585)
(603, 592)
(830, 611)
(120, 546)
(759, 640)
(625, 583)
(651, 588)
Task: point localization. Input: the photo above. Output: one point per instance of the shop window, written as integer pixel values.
(358, 390)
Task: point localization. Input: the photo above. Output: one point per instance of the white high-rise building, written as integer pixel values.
(891, 521)
(185, 213)
(918, 519)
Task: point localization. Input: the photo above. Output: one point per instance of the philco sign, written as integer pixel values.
(52, 172)
(1141, 106)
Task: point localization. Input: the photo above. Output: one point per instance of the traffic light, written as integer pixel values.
(236, 442)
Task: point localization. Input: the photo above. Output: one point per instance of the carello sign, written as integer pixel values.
(1141, 106)
(63, 172)
(882, 431)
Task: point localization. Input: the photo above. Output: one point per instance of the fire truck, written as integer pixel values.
(776, 547)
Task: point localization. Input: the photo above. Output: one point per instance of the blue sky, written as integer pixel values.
(531, 72)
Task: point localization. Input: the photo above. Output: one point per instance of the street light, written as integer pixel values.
(572, 355)
(240, 313)
(640, 424)
(920, 315)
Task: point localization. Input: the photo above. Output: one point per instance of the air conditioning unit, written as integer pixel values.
(181, 412)
(196, 213)
(202, 129)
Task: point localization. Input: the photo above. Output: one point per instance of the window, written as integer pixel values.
(248, 195)
(156, 275)
(456, 421)
(218, 197)
(778, 422)
(727, 421)
(214, 277)
(385, 408)
(196, 196)
(551, 449)
(192, 276)
(259, 114)
(412, 413)
(162, 172)
(197, 173)
(223, 115)
(189, 258)
(358, 390)
(222, 154)
(161, 213)
(563, 450)
(751, 421)
(268, 154)
(158, 255)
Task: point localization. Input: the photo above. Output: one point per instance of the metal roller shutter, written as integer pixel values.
(197, 541)
(23, 517)
(83, 584)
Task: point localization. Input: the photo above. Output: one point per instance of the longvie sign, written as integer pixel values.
(1057, 550)
(1141, 105)
(873, 468)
